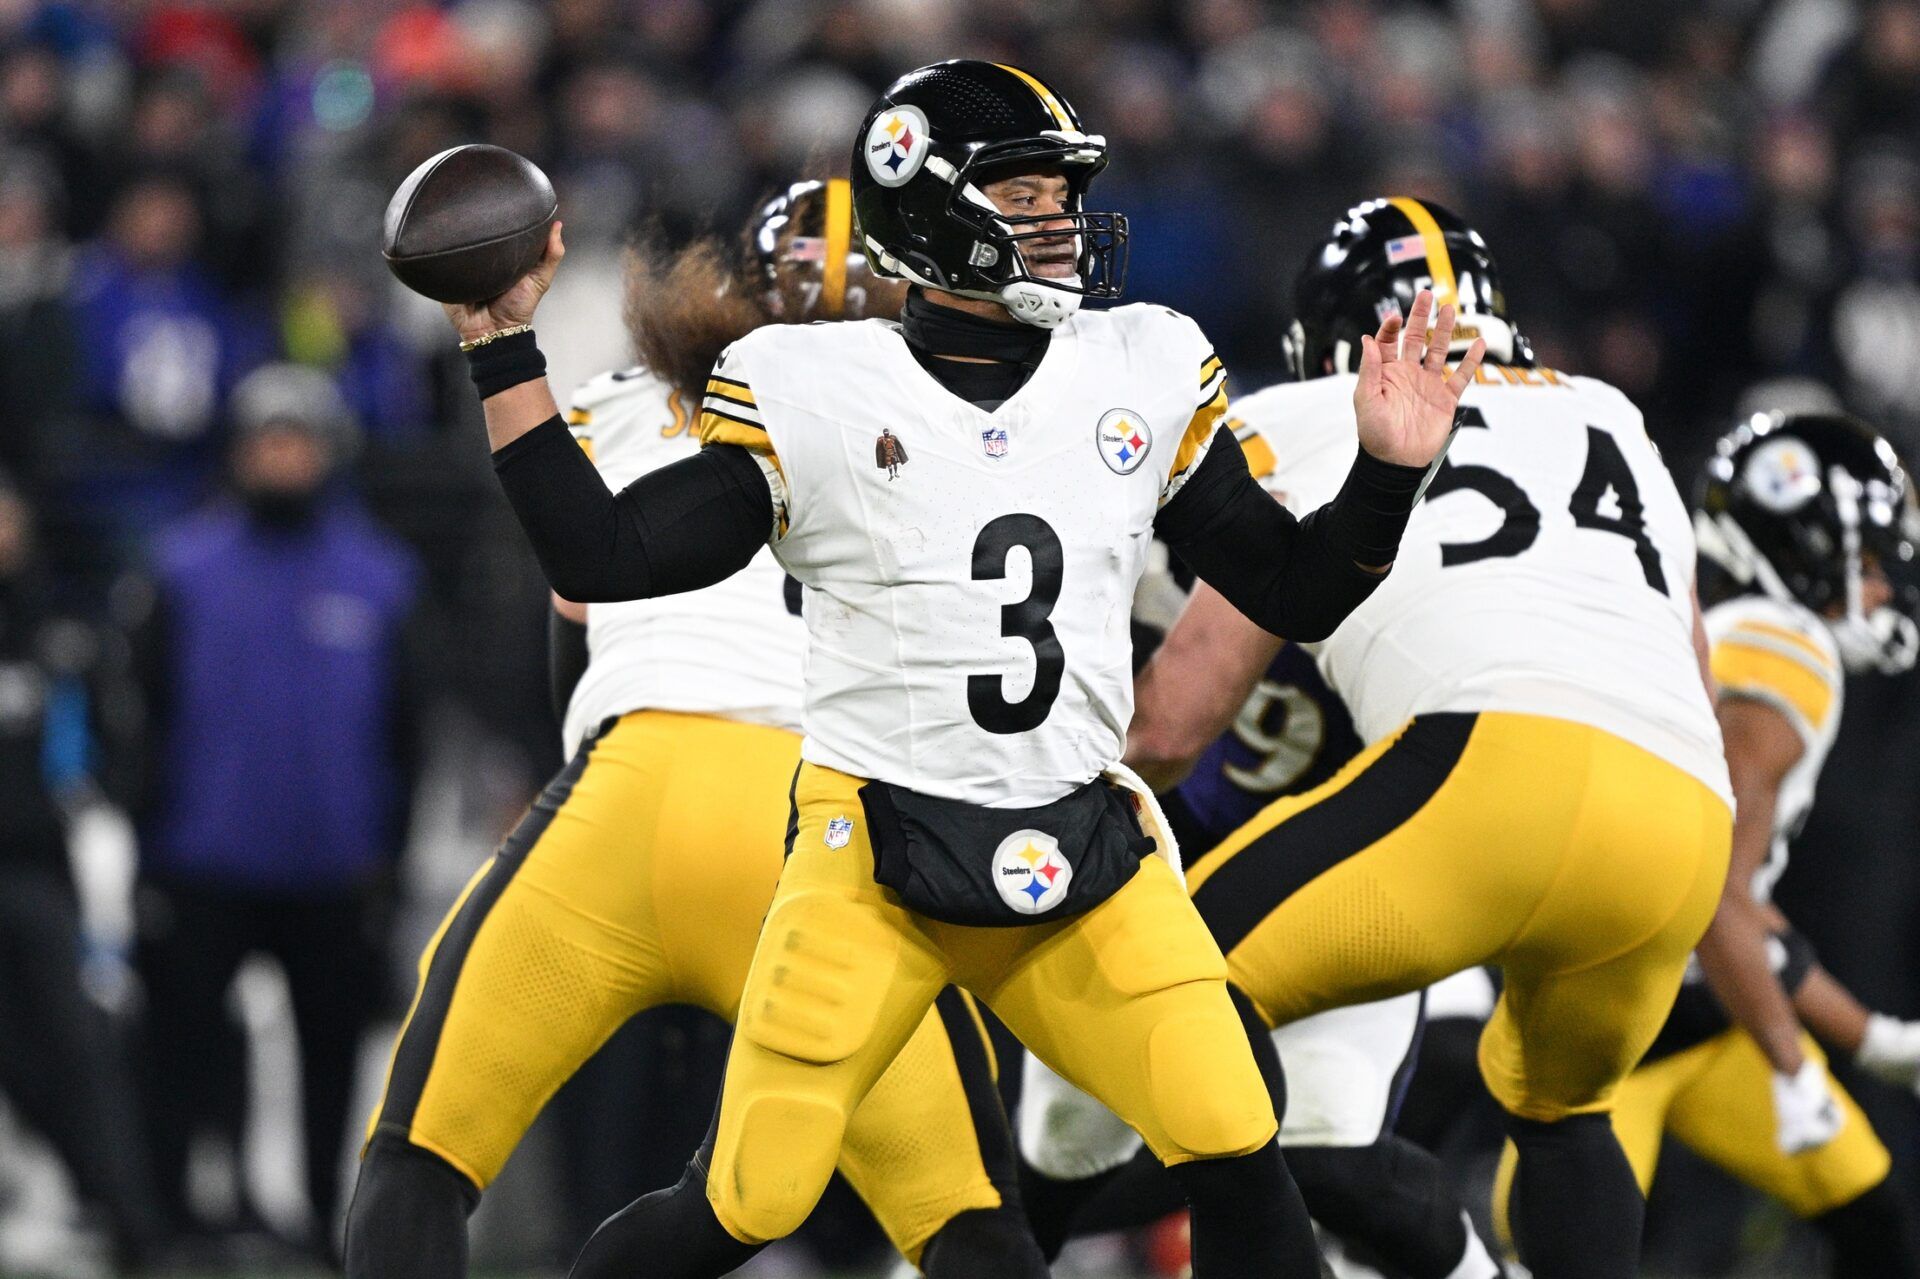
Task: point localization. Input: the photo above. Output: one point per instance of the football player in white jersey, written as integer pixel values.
(637, 880)
(1543, 786)
(1346, 1069)
(1803, 517)
(966, 499)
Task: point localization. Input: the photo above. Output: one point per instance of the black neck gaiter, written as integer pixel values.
(933, 331)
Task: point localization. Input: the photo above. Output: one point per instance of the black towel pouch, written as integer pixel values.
(964, 864)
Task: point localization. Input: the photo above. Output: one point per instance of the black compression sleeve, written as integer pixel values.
(566, 660)
(1296, 578)
(679, 528)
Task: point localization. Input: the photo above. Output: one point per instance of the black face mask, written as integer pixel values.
(281, 508)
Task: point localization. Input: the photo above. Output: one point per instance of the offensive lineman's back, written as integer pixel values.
(1549, 570)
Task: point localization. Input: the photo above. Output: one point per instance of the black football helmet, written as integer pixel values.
(801, 251)
(1374, 262)
(1793, 504)
(934, 138)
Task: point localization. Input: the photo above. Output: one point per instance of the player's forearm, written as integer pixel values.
(1831, 1012)
(566, 658)
(1176, 715)
(517, 410)
(1733, 956)
(682, 527)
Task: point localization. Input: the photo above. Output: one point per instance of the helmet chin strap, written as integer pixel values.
(1497, 332)
(1027, 301)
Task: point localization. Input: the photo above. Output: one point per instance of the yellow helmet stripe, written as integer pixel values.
(833, 269)
(1045, 94)
(1439, 261)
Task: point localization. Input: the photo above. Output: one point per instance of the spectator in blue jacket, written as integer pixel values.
(282, 743)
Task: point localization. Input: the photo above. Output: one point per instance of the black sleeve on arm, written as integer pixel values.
(566, 660)
(1296, 578)
(676, 529)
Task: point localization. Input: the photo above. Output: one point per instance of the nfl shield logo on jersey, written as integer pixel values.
(839, 831)
(1124, 440)
(995, 438)
(1030, 873)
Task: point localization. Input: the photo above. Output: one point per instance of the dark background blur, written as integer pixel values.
(1715, 206)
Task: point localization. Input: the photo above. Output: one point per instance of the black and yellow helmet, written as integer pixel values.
(924, 150)
(801, 248)
(1374, 262)
(1796, 506)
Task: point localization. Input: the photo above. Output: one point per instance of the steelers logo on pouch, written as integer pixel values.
(1030, 872)
(1124, 440)
(896, 145)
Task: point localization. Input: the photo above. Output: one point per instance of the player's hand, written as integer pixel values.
(1405, 401)
(515, 306)
(1891, 1051)
(1806, 1116)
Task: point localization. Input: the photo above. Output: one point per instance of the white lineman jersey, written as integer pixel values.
(734, 650)
(968, 573)
(1548, 571)
(1346, 1068)
(1780, 653)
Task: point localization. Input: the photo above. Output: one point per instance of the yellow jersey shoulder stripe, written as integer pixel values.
(1200, 429)
(1764, 672)
(579, 417)
(717, 428)
(730, 389)
(1755, 630)
(1260, 459)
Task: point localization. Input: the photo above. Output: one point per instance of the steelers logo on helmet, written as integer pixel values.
(1783, 475)
(1030, 872)
(896, 146)
(1124, 440)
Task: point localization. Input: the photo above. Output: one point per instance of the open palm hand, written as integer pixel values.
(1405, 400)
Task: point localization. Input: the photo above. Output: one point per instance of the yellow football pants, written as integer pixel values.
(640, 878)
(1584, 866)
(1126, 1001)
(1716, 1098)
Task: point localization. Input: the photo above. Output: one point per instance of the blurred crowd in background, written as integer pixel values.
(234, 452)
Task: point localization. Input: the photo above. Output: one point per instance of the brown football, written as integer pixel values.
(468, 223)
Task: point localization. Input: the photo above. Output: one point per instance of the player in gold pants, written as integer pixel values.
(640, 878)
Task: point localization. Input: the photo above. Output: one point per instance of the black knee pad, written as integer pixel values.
(408, 1219)
(669, 1234)
(985, 1241)
(1391, 1196)
(1874, 1236)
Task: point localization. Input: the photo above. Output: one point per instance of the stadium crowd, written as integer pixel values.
(1707, 204)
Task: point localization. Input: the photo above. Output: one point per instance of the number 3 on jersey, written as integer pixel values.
(1606, 471)
(1025, 619)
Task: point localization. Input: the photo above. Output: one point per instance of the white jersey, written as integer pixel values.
(1782, 654)
(1548, 571)
(967, 573)
(735, 650)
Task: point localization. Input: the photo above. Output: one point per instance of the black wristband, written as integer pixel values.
(506, 363)
(1372, 508)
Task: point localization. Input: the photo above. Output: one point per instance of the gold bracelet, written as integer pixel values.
(495, 336)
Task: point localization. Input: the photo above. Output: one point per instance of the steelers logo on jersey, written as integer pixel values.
(1124, 440)
(1783, 475)
(1030, 872)
(896, 145)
